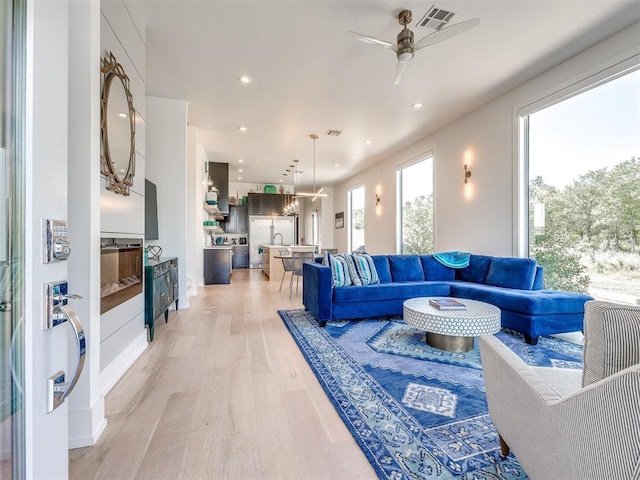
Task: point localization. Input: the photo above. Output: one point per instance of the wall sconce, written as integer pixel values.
(377, 199)
(467, 173)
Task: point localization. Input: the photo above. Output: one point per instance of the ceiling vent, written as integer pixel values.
(436, 18)
(334, 133)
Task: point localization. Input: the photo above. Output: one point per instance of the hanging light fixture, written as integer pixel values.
(319, 193)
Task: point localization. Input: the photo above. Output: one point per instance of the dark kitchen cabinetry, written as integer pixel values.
(240, 256)
(269, 204)
(238, 219)
(219, 177)
(217, 265)
(161, 290)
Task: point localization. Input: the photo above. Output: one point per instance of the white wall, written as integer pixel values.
(487, 222)
(86, 404)
(167, 168)
(123, 334)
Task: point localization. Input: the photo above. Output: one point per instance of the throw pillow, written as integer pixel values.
(351, 267)
(339, 271)
(477, 270)
(406, 268)
(366, 268)
(511, 273)
(382, 267)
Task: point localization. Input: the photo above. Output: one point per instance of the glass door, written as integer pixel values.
(12, 144)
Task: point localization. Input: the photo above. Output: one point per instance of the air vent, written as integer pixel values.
(436, 18)
(334, 133)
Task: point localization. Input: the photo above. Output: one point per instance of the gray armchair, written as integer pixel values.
(564, 424)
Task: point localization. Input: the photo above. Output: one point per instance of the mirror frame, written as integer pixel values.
(113, 71)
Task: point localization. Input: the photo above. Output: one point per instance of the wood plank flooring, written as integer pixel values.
(223, 392)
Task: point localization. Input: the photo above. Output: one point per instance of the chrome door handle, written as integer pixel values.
(58, 390)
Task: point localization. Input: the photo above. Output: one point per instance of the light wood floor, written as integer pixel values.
(223, 392)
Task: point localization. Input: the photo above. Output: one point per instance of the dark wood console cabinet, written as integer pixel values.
(161, 290)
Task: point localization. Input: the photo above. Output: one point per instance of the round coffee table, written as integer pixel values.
(452, 330)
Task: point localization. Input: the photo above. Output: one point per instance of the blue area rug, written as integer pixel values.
(417, 412)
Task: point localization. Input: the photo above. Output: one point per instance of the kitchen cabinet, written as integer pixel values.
(240, 256)
(238, 219)
(268, 204)
(217, 265)
(161, 290)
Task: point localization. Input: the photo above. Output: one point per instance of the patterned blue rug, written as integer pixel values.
(417, 412)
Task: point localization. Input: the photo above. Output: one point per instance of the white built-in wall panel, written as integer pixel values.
(122, 328)
(167, 168)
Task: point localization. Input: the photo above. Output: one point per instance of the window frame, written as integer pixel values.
(350, 191)
(589, 80)
(429, 154)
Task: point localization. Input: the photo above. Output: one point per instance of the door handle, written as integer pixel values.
(57, 389)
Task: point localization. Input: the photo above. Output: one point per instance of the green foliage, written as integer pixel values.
(417, 226)
(598, 213)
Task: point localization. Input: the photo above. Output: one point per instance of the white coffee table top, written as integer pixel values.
(478, 318)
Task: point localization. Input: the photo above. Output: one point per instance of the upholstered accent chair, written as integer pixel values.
(571, 424)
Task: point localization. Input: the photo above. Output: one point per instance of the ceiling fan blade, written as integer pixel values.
(446, 32)
(399, 71)
(373, 40)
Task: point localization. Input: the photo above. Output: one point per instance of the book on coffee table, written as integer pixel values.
(447, 304)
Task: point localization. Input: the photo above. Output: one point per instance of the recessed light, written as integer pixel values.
(244, 79)
(242, 128)
(417, 105)
(240, 160)
(281, 180)
(336, 164)
(240, 170)
(239, 178)
(368, 141)
(122, 115)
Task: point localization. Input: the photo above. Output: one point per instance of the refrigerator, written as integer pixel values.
(262, 231)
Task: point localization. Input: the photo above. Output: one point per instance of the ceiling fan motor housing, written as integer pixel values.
(405, 45)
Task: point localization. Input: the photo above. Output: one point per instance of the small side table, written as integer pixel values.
(452, 330)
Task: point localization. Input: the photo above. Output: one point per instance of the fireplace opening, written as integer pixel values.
(120, 271)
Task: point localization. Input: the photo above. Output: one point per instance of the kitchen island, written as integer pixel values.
(217, 264)
(273, 267)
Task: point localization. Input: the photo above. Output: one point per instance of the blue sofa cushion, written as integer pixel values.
(533, 302)
(516, 273)
(434, 270)
(538, 281)
(390, 291)
(406, 268)
(477, 270)
(382, 267)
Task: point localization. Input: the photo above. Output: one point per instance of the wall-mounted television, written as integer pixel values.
(150, 211)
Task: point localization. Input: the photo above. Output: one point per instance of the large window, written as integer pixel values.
(415, 207)
(356, 218)
(584, 190)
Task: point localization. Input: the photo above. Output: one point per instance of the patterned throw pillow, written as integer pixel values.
(351, 267)
(366, 269)
(339, 270)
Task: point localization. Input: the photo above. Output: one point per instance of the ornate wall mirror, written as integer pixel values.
(117, 126)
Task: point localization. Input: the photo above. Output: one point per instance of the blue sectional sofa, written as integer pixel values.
(515, 285)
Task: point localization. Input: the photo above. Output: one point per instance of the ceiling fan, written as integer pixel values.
(406, 48)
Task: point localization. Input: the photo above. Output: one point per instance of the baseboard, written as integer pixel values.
(111, 374)
(94, 417)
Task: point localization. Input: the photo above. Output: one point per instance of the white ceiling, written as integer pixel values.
(309, 76)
